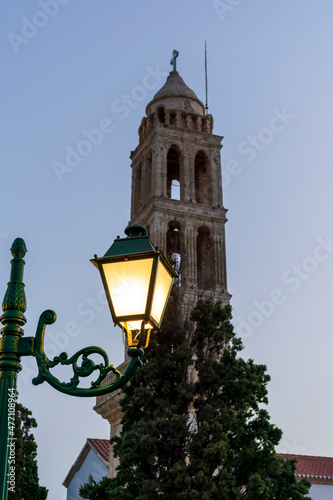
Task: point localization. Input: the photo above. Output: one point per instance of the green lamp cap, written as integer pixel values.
(136, 242)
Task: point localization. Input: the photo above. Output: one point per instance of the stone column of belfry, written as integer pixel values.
(162, 229)
(219, 262)
(189, 172)
(192, 226)
(214, 157)
(158, 161)
(191, 271)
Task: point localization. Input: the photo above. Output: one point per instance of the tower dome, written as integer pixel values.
(175, 94)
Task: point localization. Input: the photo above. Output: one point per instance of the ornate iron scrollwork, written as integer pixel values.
(82, 365)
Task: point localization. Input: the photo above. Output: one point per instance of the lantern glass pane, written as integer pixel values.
(161, 292)
(135, 325)
(128, 283)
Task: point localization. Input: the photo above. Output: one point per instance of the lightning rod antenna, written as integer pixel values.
(206, 105)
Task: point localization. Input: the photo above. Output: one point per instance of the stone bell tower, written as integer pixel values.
(177, 190)
(177, 197)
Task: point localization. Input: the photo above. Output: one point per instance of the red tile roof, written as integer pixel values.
(307, 466)
(310, 466)
(102, 446)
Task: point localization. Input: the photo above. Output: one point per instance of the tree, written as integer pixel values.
(26, 470)
(202, 437)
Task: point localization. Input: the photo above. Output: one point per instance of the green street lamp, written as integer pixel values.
(137, 279)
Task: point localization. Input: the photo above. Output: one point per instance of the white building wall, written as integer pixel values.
(91, 465)
(321, 492)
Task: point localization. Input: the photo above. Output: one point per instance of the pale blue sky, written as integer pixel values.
(270, 81)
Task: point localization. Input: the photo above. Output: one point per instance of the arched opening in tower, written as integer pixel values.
(173, 118)
(173, 173)
(202, 185)
(137, 188)
(175, 190)
(173, 247)
(161, 115)
(183, 120)
(205, 259)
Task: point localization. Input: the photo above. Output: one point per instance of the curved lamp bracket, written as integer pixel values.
(81, 364)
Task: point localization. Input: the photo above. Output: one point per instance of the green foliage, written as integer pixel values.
(26, 471)
(97, 491)
(203, 437)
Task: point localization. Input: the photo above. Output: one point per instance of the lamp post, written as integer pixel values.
(137, 279)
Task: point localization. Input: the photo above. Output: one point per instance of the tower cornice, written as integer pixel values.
(177, 209)
(177, 135)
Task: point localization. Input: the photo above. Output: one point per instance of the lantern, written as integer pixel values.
(137, 280)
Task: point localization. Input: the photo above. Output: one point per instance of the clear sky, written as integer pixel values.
(70, 67)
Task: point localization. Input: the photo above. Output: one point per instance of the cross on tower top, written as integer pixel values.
(175, 54)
